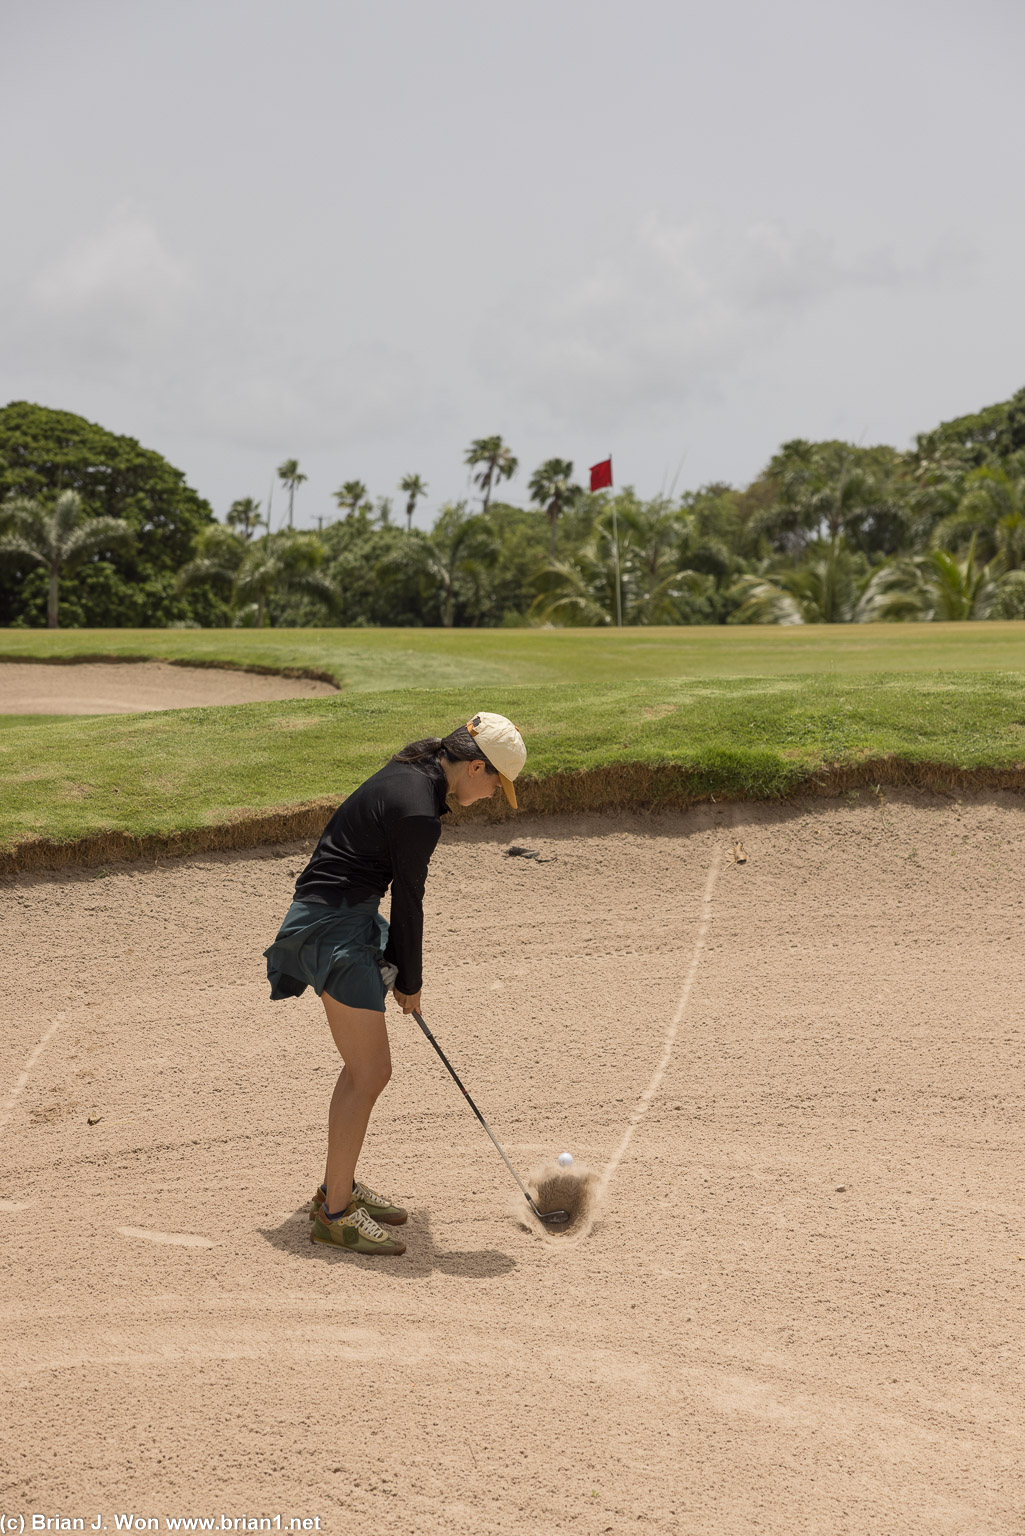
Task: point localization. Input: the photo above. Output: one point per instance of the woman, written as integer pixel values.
(334, 940)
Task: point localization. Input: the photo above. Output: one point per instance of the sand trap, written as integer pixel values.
(799, 1310)
(123, 688)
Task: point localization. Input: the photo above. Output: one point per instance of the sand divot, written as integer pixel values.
(558, 1189)
(643, 1103)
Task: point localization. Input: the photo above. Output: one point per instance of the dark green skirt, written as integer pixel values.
(336, 950)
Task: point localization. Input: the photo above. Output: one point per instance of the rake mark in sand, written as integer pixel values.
(7, 1107)
(641, 1107)
(576, 1189)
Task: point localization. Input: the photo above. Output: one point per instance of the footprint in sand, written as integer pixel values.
(180, 1239)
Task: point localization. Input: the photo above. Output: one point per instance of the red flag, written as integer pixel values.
(601, 474)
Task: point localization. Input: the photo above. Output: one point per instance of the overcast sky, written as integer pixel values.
(363, 234)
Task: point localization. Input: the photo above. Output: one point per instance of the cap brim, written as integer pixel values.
(510, 790)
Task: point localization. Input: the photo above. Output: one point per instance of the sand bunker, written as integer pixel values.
(799, 1309)
(122, 688)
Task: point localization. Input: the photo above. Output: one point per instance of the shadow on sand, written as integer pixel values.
(422, 1256)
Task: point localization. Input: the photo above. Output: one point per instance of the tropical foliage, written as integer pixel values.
(254, 576)
(829, 533)
(134, 584)
(57, 538)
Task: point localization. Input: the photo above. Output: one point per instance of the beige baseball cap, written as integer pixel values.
(501, 743)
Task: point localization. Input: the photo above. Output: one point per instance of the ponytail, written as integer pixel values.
(420, 751)
(458, 746)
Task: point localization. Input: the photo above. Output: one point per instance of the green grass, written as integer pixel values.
(185, 770)
(378, 659)
(655, 716)
(7, 722)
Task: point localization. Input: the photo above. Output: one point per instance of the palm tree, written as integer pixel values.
(291, 474)
(825, 490)
(454, 555)
(58, 539)
(551, 487)
(760, 600)
(285, 565)
(936, 585)
(703, 551)
(824, 588)
(352, 495)
(496, 463)
(1010, 598)
(581, 590)
(992, 508)
(666, 565)
(667, 572)
(244, 515)
(937, 486)
(414, 486)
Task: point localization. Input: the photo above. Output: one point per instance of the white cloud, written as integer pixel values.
(119, 311)
(672, 312)
(112, 290)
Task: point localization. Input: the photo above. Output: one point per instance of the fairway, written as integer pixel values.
(381, 659)
(800, 1077)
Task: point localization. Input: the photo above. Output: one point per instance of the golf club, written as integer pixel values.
(547, 1218)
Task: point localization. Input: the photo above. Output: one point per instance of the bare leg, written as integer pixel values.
(362, 1040)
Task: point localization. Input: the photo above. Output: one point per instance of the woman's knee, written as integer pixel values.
(362, 1040)
(370, 1076)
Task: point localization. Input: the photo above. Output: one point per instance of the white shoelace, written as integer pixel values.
(365, 1222)
(363, 1193)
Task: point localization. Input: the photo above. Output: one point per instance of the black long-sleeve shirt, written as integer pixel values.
(384, 833)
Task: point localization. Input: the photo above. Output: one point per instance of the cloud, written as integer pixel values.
(672, 312)
(136, 324)
(235, 359)
(301, 381)
(111, 291)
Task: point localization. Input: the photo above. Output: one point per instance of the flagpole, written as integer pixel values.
(615, 546)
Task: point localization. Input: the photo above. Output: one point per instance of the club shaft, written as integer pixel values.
(455, 1078)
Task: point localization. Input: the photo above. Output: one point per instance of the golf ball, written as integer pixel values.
(565, 1159)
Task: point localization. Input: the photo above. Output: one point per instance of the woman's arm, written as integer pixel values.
(411, 842)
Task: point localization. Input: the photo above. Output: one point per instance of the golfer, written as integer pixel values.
(334, 940)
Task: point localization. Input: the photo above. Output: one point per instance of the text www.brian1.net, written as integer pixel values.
(17, 1525)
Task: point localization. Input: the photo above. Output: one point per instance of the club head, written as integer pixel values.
(552, 1218)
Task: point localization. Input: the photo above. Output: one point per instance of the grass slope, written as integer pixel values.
(378, 659)
(181, 774)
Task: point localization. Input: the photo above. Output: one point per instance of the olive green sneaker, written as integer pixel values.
(375, 1205)
(355, 1231)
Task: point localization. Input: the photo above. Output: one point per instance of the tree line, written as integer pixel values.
(96, 531)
